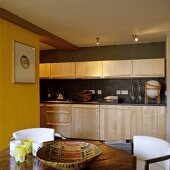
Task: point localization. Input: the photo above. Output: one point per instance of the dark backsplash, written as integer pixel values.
(108, 87)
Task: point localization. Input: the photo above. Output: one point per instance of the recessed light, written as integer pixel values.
(97, 41)
(135, 38)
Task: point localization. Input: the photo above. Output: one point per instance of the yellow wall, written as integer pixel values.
(1, 83)
(19, 102)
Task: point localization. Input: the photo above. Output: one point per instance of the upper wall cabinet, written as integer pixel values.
(63, 70)
(117, 68)
(44, 70)
(105, 69)
(149, 68)
(91, 69)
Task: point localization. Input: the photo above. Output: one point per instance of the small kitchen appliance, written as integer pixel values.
(60, 94)
(152, 91)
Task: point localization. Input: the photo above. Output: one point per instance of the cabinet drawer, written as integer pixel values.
(61, 117)
(58, 109)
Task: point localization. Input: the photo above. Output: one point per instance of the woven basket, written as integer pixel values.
(68, 155)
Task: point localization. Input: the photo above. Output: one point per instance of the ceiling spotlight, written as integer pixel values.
(135, 37)
(97, 41)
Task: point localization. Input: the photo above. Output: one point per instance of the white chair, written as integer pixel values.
(37, 134)
(152, 153)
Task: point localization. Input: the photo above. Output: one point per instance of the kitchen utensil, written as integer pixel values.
(85, 95)
(139, 93)
(12, 146)
(28, 144)
(132, 95)
(20, 153)
(68, 155)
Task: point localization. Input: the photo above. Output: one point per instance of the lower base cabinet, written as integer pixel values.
(104, 122)
(124, 122)
(153, 121)
(114, 122)
(85, 121)
(58, 116)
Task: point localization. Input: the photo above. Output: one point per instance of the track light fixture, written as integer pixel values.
(135, 37)
(97, 41)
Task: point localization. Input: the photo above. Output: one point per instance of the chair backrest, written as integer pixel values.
(146, 147)
(37, 134)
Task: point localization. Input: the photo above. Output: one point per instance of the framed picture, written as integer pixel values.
(23, 63)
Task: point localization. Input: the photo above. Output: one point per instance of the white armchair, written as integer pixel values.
(152, 153)
(37, 134)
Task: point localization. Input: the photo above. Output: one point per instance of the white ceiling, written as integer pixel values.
(81, 21)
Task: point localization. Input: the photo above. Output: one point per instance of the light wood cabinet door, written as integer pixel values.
(63, 70)
(85, 121)
(58, 116)
(136, 124)
(149, 68)
(153, 121)
(115, 122)
(117, 68)
(44, 70)
(91, 69)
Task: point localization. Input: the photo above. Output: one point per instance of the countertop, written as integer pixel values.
(100, 103)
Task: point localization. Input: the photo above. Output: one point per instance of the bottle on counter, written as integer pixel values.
(49, 93)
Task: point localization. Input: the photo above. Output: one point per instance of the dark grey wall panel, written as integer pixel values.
(113, 52)
(72, 87)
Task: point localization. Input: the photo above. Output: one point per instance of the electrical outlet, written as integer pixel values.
(99, 91)
(93, 91)
(117, 91)
(124, 91)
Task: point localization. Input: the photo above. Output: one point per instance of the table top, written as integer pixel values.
(110, 159)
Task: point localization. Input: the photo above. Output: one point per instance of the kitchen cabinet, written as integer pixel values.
(117, 68)
(153, 121)
(136, 117)
(44, 70)
(148, 120)
(115, 122)
(58, 116)
(63, 70)
(149, 68)
(85, 121)
(104, 122)
(124, 122)
(91, 69)
(105, 69)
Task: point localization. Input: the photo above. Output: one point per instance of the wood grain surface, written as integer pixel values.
(110, 159)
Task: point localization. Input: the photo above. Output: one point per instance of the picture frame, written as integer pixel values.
(23, 63)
